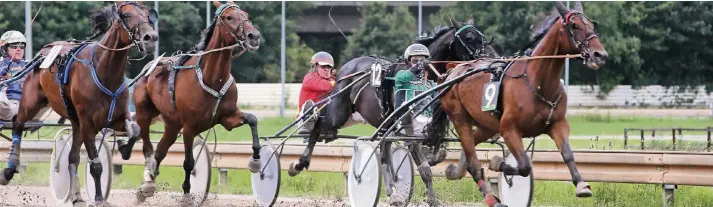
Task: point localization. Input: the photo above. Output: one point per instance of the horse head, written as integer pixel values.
(581, 35)
(468, 42)
(137, 22)
(239, 29)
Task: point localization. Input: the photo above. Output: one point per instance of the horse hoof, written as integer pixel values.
(492, 200)
(433, 202)
(293, 170)
(6, 176)
(451, 173)
(140, 197)
(495, 163)
(148, 189)
(254, 165)
(79, 203)
(125, 148)
(396, 200)
(584, 190)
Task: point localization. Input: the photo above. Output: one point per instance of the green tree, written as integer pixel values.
(264, 64)
(381, 32)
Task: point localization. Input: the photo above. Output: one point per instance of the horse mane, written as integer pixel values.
(541, 28)
(205, 37)
(438, 32)
(101, 20)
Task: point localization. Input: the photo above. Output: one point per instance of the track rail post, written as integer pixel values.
(668, 194)
(708, 147)
(673, 131)
(223, 178)
(626, 138)
(118, 169)
(642, 139)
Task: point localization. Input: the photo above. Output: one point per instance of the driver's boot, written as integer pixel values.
(309, 123)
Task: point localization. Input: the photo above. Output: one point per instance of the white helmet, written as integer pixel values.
(416, 49)
(13, 36)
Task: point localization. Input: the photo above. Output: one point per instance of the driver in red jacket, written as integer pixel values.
(316, 85)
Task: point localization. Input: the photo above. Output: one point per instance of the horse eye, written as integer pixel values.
(229, 18)
(575, 26)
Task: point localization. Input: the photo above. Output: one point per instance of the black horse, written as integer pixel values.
(363, 103)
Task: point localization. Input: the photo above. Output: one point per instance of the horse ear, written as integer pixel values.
(231, 2)
(217, 3)
(118, 2)
(454, 22)
(578, 6)
(561, 8)
(471, 21)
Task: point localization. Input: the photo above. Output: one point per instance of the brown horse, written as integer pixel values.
(90, 92)
(205, 94)
(530, 93)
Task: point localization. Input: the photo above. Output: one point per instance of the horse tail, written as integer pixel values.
(436, 130)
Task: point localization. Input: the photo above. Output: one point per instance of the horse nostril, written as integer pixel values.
(253, 36)
(601, 55)
(150, 37)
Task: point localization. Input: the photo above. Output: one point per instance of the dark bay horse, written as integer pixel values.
(205, 94)
(458, 42)
(529, 96)
(90, 92)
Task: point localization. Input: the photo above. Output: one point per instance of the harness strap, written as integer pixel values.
(553, 104)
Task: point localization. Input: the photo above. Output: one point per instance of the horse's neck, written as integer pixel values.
(113, 63)
(545, 73)
(216, 65)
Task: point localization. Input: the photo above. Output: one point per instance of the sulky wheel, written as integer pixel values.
(201, 174)
(266, 183)
(364, 178)
(60, 181)
(515, 190)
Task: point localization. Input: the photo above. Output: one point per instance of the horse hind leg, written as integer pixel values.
(424, 169)
(31, 103)
(77, 140)
(238, 119)
(144, 110)
(304, 161)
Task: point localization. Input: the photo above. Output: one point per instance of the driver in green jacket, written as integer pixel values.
(409, 83)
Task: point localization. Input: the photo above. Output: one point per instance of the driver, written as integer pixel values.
(12, 47)
(408, 83)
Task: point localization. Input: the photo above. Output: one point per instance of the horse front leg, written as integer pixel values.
(239, 118)
(559, 132)
(95, 165)
(133, 132)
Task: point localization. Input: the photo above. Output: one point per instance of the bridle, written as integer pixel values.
(134, 31)
(473, 52)
(240, 37)
(582, 45)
